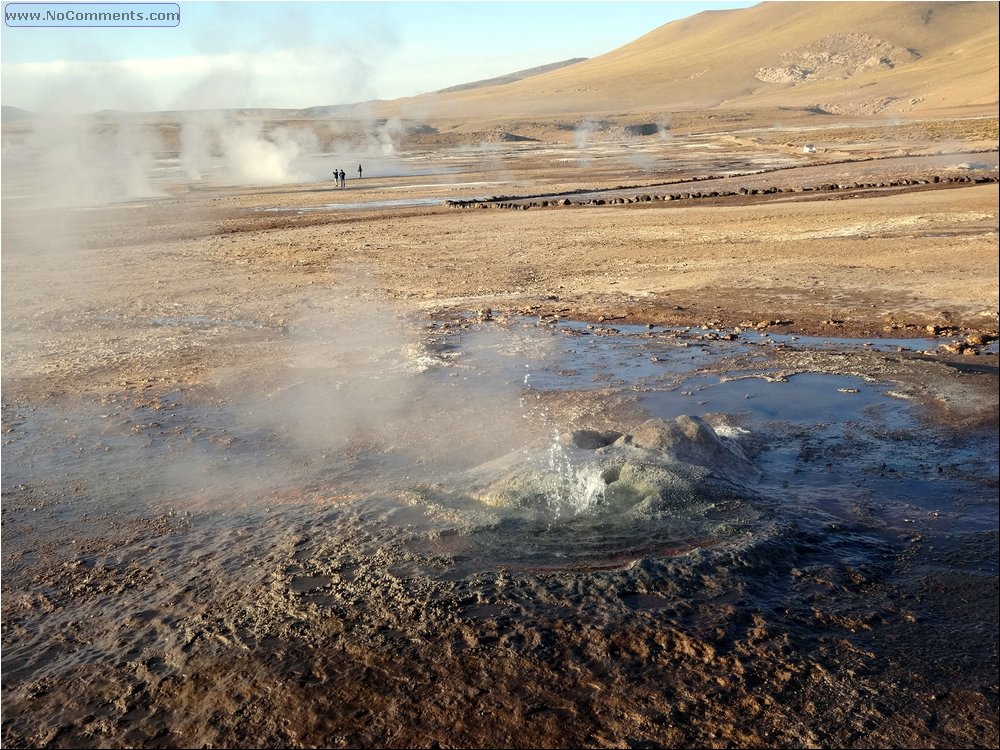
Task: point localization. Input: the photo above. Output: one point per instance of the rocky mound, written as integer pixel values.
(497, 135)
(836, 57)
(679, 467)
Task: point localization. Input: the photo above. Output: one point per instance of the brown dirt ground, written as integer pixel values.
(866, 265)
(847, 264)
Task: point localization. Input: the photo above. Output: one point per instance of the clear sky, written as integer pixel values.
(301, 54)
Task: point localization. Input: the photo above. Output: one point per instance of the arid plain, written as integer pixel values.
(556, 429)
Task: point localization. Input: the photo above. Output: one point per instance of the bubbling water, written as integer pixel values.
(578, 488)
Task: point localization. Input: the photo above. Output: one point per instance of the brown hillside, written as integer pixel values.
(848, 58)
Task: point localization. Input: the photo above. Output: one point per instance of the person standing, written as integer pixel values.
(343, 178)
(359, 171)
(336, 177)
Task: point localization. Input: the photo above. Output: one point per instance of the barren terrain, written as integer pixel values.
(648, 400)
(279, 465)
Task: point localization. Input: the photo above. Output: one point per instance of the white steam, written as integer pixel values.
(361, 377)
(89, 160)
(75, 160)
(250, 157)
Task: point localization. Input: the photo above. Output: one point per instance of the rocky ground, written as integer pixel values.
(193, 556)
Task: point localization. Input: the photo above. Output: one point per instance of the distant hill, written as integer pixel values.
(776, 62)
(340, 109)
(511, 77)
(13, 114)
(841, 58)
(334, 109)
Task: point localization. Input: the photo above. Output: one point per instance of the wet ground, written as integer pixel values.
(207, 565)
(321, 467)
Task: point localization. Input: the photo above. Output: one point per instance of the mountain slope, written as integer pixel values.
(511, 77)
(838, 57)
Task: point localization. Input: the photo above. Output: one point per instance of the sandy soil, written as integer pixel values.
(846, 262)
(318, 621)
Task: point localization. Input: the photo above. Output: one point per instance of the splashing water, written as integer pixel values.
(578, 489)
(572, 489)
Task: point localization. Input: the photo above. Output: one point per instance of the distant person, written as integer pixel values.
(336, 176)
(343, 178)
(359, 171)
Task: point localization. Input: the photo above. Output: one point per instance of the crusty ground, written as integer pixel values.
(236, 656)
(883, 264)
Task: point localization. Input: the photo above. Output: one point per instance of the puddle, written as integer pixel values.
(319, 437)
(201, 321)
(450, 185)
(806, 398)
(582, 355)
(759, 337)
(362, 205)
(827, 434)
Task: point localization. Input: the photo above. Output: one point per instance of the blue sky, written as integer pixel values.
(300, 54)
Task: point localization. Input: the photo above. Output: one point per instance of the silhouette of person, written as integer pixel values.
(336, 176)
(359, 171)
(343, 178)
